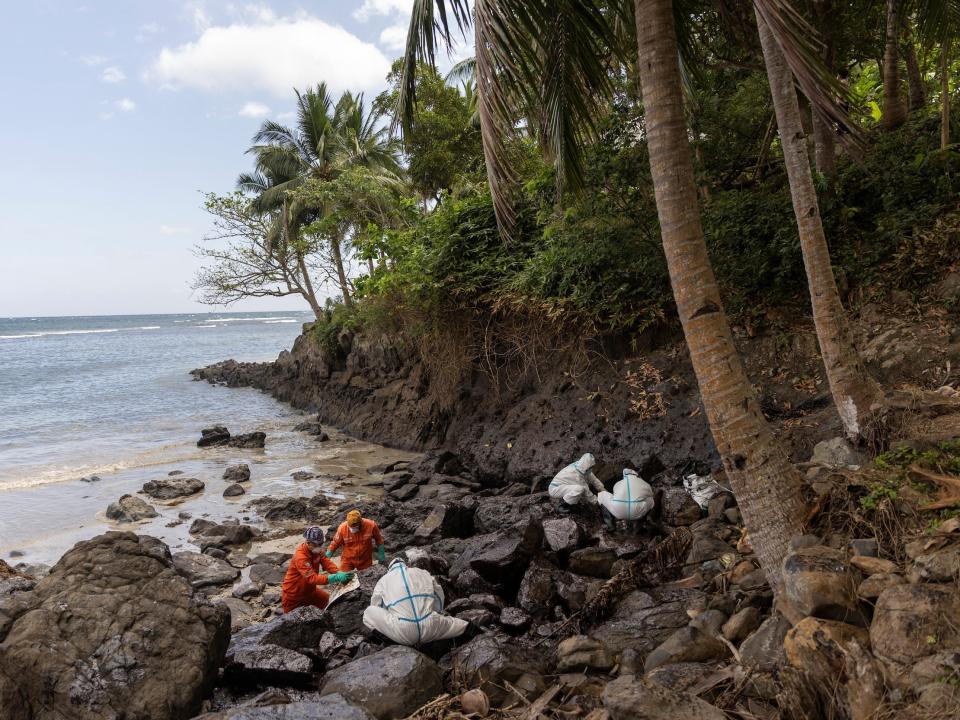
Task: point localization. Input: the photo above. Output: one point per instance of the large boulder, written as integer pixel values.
(562, 535)
(204, 570)
(688, 644)
(291, 508)
(836, 453)
(501, 557)
(275, 651)
(537, 592)
(763, 648)
(490, 659)
(632, 698)
(332, 707)
(678, 508)
(818, 648)
(388, 684)
(112, 632)
(913, 621)
(171, 488)
(130, 508)
(818, 581)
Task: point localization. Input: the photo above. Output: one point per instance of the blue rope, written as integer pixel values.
(416, 618)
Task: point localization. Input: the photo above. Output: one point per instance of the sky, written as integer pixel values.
(118, 114)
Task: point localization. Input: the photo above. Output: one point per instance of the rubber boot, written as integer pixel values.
(608, 519)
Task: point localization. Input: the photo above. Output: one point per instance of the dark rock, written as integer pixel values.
(871, 588)
(817, 581)
(215, 552)
(818, 648)
(292, 508)
(681, 676)
(468, 581)
(271, 558)
(404, 493)
(447, 463)
(267, 574)
(425, 560)
(345, 617)
(252, 440)
(515, 620)
(130, 508)
(203, 570)
(91, 479)
(644, 619)
(201, 526)
(481, 617)
(632, 698)
(333, 707)
(388, 684)
(595, 562)
(311, 427)
(719, 504)
(493, 514)
(216, 435)
(678, 508)
(580, 652)
(228, 533)
(941, 565)
(234, 490)
(490, 659)
(867, 547)
(92, 632)
(537, 592)
(445, 521)
(836, 453)
(763, 649)
(167, 489)
(237, 473)
(501, 557)
(688, 644)
(562, 535)
(247, 590)
(302, 475)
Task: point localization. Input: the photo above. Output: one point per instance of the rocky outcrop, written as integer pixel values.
(333, 707)
(113, 631)
(171, 488)
(130, 508)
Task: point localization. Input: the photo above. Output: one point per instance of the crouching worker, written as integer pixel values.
(631, 500)
(572, 484)
(407, 607)
(301, 584)
(358, 536)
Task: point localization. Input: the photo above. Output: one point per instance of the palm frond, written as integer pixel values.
(801, 46)
(463, 71)
(938, 21)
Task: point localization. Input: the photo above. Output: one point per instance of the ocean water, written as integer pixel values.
(112, 397)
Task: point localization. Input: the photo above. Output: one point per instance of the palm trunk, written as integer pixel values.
(767, 486)
(894, 111)
(918, 95)
(370, 265)
(341, 275)
(944, 97)
(824, 142)
(854, 391)
(308, 292)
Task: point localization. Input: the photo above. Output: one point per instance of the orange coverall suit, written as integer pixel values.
(303, 576)
(357, 547)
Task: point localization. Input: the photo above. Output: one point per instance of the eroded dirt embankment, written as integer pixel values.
(629, 407)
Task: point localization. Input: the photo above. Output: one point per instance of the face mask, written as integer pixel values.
(354, 530)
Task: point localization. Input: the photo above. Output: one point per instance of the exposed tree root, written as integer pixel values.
(948, 488)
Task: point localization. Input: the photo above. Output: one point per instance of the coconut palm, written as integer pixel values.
(327, 139)
(545, 52)
(856, 394)
(894, 110)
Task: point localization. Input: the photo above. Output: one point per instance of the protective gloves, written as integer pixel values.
(329, 553)
(338, 577)
(382, 553)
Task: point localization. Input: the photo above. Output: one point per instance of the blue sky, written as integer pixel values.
(117, 114)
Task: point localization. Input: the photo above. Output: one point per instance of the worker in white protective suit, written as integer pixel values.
(407, 607)
(572, 484)
(631, 500)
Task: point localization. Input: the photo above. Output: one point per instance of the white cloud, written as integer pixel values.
(394, 37)
(254, 110)
(93, 60)
(174, 230)
(126, 105)
(371, 8)
(112, 74)
(273, 55)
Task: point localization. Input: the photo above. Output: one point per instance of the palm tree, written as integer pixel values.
(938, 22)
(328, 139)
(767, 485)
(856, 394)
(894, 111)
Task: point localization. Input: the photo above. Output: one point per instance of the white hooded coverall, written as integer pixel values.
(631, 499)
(573, 482)
(407, 607)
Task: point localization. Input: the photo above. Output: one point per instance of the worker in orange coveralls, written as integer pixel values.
(300, 586)
(358, 536)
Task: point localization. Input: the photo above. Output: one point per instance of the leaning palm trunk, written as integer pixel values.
(918, 95)
(855, 393)
(767, 486)
(894, 111)
(341, 275)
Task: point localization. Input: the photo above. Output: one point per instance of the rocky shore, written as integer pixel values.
(567, 619)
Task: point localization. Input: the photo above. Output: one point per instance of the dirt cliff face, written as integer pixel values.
(628, 408)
